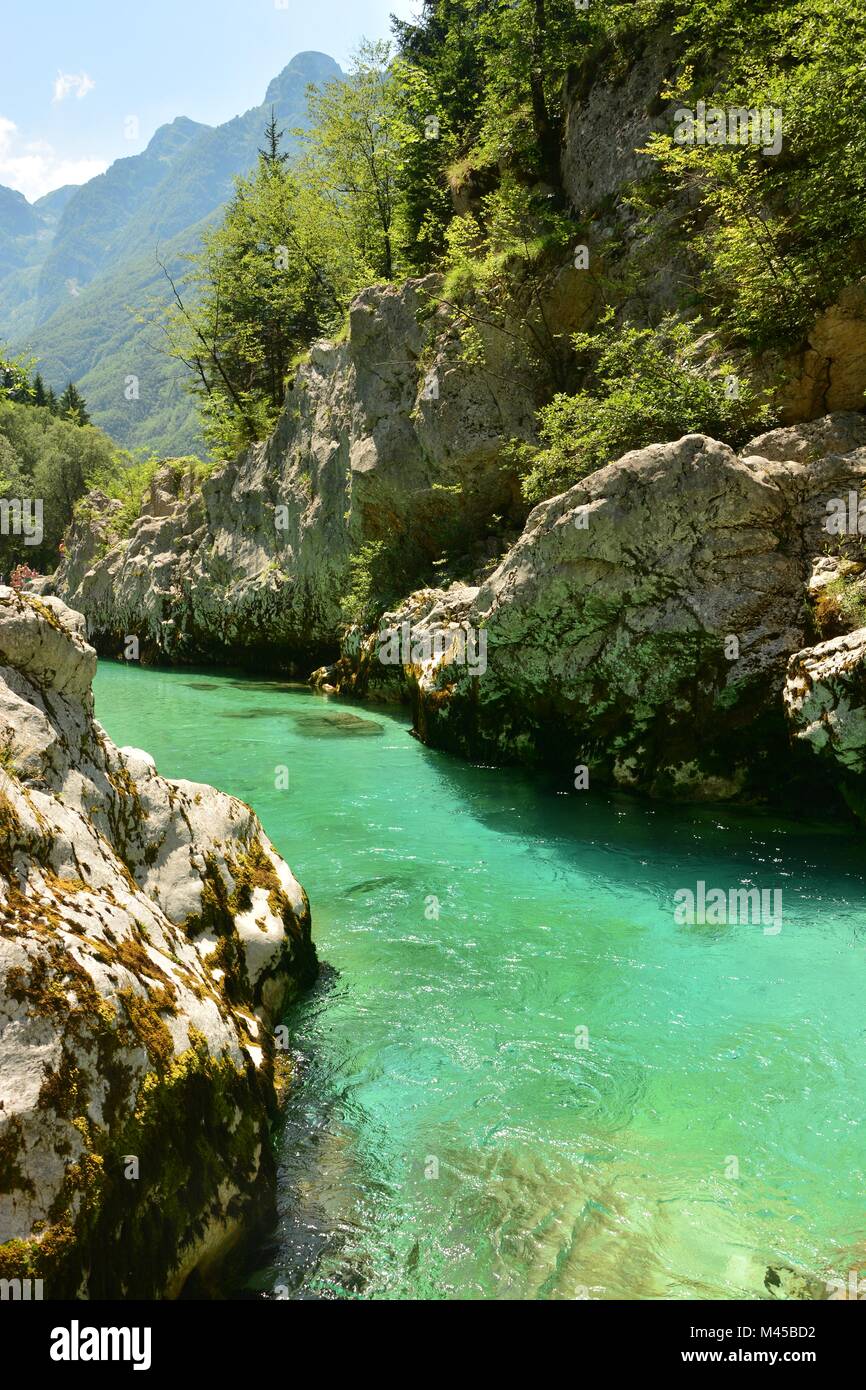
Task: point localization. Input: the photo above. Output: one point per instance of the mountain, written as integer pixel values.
(78, 266)
(26, 228)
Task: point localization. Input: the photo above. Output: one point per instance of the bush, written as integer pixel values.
(129, 478)
(644, 386)
(365, 599)
(52, 460)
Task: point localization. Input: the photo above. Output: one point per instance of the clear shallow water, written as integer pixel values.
(449, 1137)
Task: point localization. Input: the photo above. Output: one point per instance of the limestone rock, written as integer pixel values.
(253, 564)
(150, 938)
(642, 624)
(825, 700)
(829, 374)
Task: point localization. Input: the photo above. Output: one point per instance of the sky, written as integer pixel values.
(85, 82)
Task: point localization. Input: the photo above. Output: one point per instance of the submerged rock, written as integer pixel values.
(336, 725)
(151, 937)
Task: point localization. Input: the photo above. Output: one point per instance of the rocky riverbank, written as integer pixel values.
(661, 626)
(151, 939)
(652, 625)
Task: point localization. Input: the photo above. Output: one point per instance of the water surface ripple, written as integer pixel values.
(450, 1136)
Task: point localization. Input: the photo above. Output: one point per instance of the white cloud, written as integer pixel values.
(34, 167)
(77, 82)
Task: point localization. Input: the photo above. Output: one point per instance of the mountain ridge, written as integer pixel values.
(96, 245)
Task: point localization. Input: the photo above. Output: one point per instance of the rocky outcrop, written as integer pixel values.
(371, 664)
(825, 701)
(829, 372)
(386, 437)
(613, 108)
(151, 937)
(642, 625)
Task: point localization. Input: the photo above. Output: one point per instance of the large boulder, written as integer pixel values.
(151, 937)
(642, 625)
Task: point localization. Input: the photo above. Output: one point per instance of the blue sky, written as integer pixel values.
(73, 72)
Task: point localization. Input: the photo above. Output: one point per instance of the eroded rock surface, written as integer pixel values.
(825, 700)
(388, 435)
(151, 937)
(642, 624)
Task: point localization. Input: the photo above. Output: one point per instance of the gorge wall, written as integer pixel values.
(609, 611)
(253, 564)
(659, 624)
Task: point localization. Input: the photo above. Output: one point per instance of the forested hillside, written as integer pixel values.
(504, 147)
(83, 266)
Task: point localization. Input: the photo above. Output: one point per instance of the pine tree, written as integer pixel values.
(40, 395)
(72, 406)
(273, 157)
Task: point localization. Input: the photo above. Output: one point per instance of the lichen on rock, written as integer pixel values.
(137, 1054)
(642, 624)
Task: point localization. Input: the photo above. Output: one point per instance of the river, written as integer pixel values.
(520, 1076)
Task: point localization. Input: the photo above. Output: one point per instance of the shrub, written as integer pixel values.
(643, 386)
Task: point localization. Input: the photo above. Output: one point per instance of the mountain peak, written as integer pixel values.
(304, 68)
(169, 139)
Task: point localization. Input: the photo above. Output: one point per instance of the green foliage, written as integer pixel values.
(500, 265)
(293, 248)
(256, 293)
(15, 382)
(366, 590)
(129, 477)
(72, 406)
(8, 760)
(51, 459)
(643, 386)
(351, 170)
(494, 76)
(840, 606)
(770, 239)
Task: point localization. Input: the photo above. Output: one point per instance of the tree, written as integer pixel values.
(257, 292)
(273, 157)
(52, 460)
(497, 76)
(641, 386)
(72, 406)
(40, 395)
(15, 379)
(351, 168)
(771, 238)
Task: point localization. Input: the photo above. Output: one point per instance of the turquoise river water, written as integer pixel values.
(520, 1077)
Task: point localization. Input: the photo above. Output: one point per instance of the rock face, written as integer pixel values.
(829, 373)
(612, 110)
(150, 938)
(825, 700)
(385, 437)
(642, 625)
